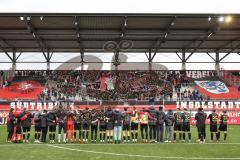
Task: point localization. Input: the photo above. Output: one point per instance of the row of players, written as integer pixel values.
(111, 124)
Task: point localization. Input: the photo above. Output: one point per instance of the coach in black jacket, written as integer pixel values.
(160, 124)
(44, 126)
(10, 125)
(201, 118)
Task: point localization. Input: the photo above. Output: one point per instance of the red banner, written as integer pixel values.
(233, 112)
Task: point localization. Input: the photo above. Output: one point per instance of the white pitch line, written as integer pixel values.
(137, 155)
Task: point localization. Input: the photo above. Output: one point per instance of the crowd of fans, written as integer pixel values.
(112, 85)
(118, 85)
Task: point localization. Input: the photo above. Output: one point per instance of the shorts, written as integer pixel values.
(186, 128)
(213, 128)
(69, 127)
(134, 126)
(126, 127)
(85, 126)
(102, 128)
(18, 130)
(110, 126)
(52, 129)
(61, 126)
(177, 127)
(223, 127)
(26, 129)
(77, 126)
(37, 128)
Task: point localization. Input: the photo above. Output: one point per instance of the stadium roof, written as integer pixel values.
(106, 32)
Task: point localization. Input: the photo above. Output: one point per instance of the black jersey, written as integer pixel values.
(61, 115)
(78, 117)
(51, 119)
(94, 117)
(213, 118)
(26, 119)
(86, 116)
(102, 118)
(224, 119)
(186, 118)
(178, 117)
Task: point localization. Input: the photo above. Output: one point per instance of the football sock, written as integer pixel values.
(100, 135)
(132, 134)
(184, 136)
(174, 136)
(180, 136)
(50, 136)
(189, 136)
(136, 136)
(225, 136)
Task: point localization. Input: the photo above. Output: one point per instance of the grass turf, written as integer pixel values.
(228, 150)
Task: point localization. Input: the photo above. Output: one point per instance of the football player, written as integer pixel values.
(134, 125)
(37, 125)
(52, 123)
(86, 116)
(26, 124)
(110, 120)
(94, 125)
(70, 121)
(213, 124)
(223, 125)
(77, 125)
(102, 125)
(186, 125)
(126, 125)
(178, 125)
(61, 114)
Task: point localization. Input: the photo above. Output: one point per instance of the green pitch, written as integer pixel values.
(228, 150)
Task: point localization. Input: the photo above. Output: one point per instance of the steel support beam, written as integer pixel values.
(82, 60)
(161, 40)
(116, 62)
(14, 61)
(217, 63)
(150, 58)
(184, 60)
(48, 57)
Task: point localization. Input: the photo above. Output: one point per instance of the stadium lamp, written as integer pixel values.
(125, 21)
(76, 23)
(209, 19)
(28, 18)
(41, 18)
(21, 18)
(228, 19)
(221, 19)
